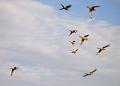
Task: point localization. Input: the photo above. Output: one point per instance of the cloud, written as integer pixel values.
(35, 38)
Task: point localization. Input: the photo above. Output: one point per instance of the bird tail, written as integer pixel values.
(90, 14)
(81, 43)
(11, 74)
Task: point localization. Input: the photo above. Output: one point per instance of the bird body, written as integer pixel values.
(84, 38)
(13, 70)
(102, 49)
(72, 31)
(74, 51)
(72, 42)
(65, 7)
(91, 9)
(90, 73)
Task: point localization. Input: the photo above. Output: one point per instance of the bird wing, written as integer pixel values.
(12, 72)
(86, 35)
(73, 41)
(70, 33)
(106, 46)
(95, 6)
(93, 70)
(75, 30)
(76, 50)
(85, 75)
(69, 6)
(61, 9)
(62, 5)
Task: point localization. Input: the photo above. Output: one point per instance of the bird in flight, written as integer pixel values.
(65, 7)
(90, 73)
(13, 70)
(72, 31)
(74, 51)
(72, 42)
(84, 38)
(102, 49)
(91, 9)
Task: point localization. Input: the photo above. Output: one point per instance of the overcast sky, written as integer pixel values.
(34, 35)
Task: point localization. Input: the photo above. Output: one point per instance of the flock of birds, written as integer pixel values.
(91, 9)
(83, 39)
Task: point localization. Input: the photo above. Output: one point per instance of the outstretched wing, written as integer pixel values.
(86, 35)
(85, 75)
(75, 31)
(76, 50)
(73, 41)
(61, 9)
(95, 6)
(68, 6)
(12, 72)
(106, 46)
(93, 70)
(62, 5)
(70, 34)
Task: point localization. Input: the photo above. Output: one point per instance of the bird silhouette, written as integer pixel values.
(65, 7)
(84, 38)
(102, 49)
(13, 69)
(74, 51)
(72, 31)
(90, 73)
(72, 42)
(91, 9)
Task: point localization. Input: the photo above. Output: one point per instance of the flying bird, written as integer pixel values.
(65, 7)
(13, 70)
(74, 51)
(72, 42)
(84, 38)
(90, 73)
(72, 31)
(102, 49)
(91, 9)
